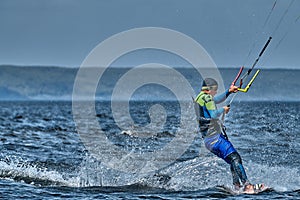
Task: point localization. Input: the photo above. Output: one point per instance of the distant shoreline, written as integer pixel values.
(52, 83)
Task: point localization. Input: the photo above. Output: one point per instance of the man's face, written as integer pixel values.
(213, 90)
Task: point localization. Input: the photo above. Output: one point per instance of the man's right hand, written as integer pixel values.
(233, 89)
(226, 109)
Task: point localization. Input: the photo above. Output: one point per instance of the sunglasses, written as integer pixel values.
(214, 88)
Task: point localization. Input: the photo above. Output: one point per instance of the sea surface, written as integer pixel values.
(42, 156)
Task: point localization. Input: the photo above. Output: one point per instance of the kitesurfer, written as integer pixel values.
(213, 132)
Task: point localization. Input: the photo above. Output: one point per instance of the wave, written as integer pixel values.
(22, 171)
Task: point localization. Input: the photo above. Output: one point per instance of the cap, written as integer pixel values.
(209, 83)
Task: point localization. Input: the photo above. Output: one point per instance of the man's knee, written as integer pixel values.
(234, 157)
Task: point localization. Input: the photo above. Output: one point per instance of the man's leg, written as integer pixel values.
(237, 167)
(225, 150)
(235, 178)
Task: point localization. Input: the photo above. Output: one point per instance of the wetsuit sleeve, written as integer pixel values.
(212, 109)
(221, 97)
(215, 114)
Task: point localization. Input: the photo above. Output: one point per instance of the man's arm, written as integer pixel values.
(212, 109)
(215, 114)
(222, 97)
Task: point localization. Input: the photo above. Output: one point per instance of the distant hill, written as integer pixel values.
(7, 94)
(18, 82)
(56, 83)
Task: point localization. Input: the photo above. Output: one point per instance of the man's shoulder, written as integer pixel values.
(205, 97)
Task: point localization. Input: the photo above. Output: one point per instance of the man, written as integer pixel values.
(213, 132)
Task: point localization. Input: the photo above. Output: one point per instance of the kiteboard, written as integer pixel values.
(258, 188)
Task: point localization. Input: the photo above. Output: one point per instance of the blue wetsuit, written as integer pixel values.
(215, 138)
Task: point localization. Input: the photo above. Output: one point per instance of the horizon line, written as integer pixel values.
(128, 66)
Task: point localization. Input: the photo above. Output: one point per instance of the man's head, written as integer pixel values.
(210, 86)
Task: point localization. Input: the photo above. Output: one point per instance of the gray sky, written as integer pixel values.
(63, 32)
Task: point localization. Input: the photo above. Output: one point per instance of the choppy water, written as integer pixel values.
(43, 157)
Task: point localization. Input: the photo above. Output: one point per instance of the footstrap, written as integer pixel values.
(258, 187)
